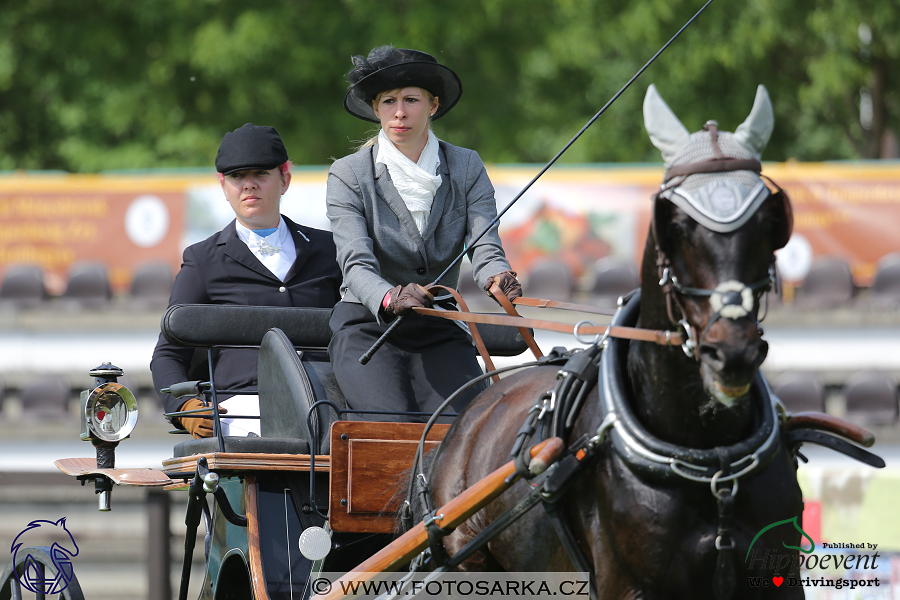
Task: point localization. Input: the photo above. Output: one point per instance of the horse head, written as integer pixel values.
(710, 256)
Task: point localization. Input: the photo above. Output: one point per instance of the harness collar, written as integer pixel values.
(651, 457)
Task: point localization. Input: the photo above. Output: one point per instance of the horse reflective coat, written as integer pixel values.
(647, 512)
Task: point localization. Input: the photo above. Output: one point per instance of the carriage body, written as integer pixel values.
(308, 470)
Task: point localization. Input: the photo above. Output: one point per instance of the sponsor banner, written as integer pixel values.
(56, 221)
(573, 214)
(848, 210)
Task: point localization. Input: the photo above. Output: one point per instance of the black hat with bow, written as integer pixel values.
(389, 68)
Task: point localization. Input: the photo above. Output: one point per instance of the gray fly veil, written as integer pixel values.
(722, 198)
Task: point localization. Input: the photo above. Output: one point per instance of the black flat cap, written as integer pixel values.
(250, 147)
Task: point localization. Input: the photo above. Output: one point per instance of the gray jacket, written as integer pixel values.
(378, 244)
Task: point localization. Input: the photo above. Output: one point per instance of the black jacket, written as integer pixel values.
(222, 270)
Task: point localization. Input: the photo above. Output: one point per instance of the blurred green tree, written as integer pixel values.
(99, 85)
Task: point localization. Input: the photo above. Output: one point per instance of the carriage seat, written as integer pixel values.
(289, 384)
(202, 326)
(253, 445)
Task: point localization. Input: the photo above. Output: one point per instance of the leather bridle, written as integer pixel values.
(729, 299)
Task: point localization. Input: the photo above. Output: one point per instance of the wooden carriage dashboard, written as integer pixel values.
(368, 466)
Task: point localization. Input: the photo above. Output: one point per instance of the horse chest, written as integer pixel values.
(663, 535)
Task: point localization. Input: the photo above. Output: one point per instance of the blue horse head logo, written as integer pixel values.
(30, 568)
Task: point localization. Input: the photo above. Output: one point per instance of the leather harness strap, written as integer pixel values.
(501, 298)
(476, 337)
(657, 336)
(831, 424)
(538, 303)
(714, 165)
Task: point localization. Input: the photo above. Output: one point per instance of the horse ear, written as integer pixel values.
(666, 132)
(754, 133)
(782, 218)
(61, 522)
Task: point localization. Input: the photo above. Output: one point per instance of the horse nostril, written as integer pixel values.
(712, 356)
(726, 358)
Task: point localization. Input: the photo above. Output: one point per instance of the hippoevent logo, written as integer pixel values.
(777, 567)
(43, 569)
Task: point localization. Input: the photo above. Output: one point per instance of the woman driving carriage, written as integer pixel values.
(402, 208)
(261, 258)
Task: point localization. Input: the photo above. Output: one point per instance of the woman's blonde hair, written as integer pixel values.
(373, 134)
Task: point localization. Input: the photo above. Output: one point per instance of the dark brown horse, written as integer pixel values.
(647, 527)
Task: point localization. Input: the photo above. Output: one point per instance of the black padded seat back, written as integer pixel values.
(204, 325)
(288, 387)
(88, 284)
(551, 279)
(255, 445)
(829, 284)
(871, 398)
(800, 391)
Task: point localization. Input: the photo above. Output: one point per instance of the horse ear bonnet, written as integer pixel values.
(720, 201)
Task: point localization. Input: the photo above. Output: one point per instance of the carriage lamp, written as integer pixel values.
(109, 413)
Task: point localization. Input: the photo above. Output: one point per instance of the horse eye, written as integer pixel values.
(676, 232)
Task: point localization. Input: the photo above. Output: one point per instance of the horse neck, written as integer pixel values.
(666, 389)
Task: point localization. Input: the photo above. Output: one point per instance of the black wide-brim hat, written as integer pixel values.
(250, 147)
(389, 68)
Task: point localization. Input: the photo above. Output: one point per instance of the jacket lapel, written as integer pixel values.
(386, 190)
(303, 246)
(239, 251)
(440, 199)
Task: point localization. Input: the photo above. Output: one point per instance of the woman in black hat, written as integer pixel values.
(261, 258)
(401, 209)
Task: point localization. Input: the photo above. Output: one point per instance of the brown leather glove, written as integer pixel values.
(402, 299)
(199, 428)
(507, 282)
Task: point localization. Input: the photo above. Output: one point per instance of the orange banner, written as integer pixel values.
(577, 214)
(54, 222)
(581, 214)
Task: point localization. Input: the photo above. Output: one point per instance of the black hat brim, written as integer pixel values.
(266, 167)
(436, 78)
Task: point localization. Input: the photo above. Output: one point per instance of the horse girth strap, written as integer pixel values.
(658, 336)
